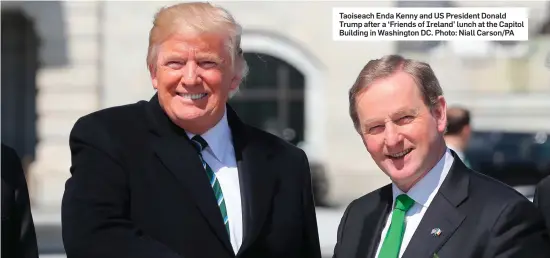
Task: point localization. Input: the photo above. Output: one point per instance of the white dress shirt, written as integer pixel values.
(220, 156)
(458, 152)
(422, 193)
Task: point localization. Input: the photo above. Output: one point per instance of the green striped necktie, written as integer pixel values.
(200, 145)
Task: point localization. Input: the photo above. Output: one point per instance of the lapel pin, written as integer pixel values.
(436, 232)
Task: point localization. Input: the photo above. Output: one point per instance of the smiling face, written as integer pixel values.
(403, 136)
(193, 75)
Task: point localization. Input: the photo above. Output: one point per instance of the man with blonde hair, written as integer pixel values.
(435, 205)
(180, 175)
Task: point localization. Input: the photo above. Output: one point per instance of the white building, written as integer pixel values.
(62, 60)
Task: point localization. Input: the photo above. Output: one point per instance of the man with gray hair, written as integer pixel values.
(435, 206)
(180, 176)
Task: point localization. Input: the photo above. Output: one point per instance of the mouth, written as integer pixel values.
(195, 96)
(399, 155)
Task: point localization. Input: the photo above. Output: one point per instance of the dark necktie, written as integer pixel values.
(200, 145)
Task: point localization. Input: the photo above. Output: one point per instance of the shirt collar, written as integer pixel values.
(218, 138)
(458, 152)
(424, 190)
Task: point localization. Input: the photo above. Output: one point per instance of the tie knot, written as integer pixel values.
(199, 143)
(403, 202)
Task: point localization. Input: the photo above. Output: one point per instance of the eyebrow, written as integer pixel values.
(198, 56)
(405, 111)
(209, 56)
(398, 113)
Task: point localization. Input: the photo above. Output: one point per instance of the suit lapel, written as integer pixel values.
(256, 175)
(175, 151)
(442, 215)
(372, 231)
(258, 188)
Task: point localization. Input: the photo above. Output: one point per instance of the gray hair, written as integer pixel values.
(388, 65)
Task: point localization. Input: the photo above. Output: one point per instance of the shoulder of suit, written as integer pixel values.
(367, 199)
(544, 183)
(8, 153)
(12, 168)
(272, 140)
(122, 116)
(543, 188)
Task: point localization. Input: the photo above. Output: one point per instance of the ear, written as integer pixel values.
(440, 114)
(237, 70)
(235, 82)
(153, 74)
(467, 131)
(237, 77)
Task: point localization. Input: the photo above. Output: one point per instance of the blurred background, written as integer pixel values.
(64, 59)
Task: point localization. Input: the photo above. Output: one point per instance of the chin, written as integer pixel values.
(404, 174)
(188, 114)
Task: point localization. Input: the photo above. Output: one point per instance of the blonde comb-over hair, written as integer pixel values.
(197, 17)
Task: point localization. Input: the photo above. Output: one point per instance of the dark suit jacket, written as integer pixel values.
(542, 199)
(138, 189)
(18, 234)
(478, 217)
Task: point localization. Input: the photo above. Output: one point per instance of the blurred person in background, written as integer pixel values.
(542, 199)
(18, 233)
(397, 107)
(458, 131)
(180, 175)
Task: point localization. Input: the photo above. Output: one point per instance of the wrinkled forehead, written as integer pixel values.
(390, 95)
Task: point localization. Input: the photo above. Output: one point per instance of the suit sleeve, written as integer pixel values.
(541, 200)
(537, 195)
(311, 232)
(25, 238)
(543, 188)
(340, 231)
(519, 232)
(95, 207)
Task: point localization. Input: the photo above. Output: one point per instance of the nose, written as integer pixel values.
(190, 75)
(391, 135)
